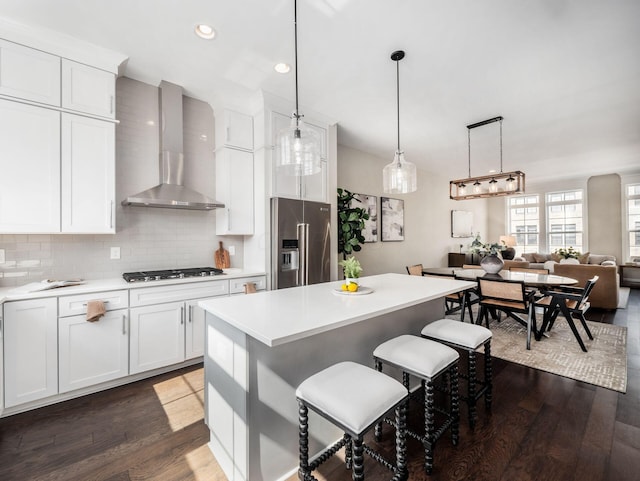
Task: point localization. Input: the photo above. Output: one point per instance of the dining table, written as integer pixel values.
(530, 279)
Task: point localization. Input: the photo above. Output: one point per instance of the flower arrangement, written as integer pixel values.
(569, 253)
(352, 268)
(479, 247)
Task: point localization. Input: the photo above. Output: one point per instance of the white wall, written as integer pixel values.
(427, 215)
(149, 238)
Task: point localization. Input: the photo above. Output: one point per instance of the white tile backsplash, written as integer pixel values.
(148, 238)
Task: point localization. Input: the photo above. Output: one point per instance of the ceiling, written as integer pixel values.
(564, 74)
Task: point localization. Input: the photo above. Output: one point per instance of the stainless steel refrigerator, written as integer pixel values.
(300, 242)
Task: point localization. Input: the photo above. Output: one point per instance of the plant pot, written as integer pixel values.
(491, 264)
(350, 280)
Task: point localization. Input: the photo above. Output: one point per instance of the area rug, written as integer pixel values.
(605, 363)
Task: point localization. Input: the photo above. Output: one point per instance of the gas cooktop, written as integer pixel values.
(146, 276)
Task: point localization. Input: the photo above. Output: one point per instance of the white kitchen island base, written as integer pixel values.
(259, 348)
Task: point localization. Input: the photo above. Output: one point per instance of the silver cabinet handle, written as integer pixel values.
(181, 314)
(111, 99)
(124, 324)
(190, 314)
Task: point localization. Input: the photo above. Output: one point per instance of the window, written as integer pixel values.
(564, 220)
(524, 222)
(633, 219)
(546, 222)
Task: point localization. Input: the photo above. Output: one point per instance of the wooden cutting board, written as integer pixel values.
(221, 258)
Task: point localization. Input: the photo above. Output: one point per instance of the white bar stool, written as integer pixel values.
(354, 398)
(427, 360)
(467, 337)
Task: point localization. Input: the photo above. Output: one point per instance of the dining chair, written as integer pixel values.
(510, 297)
(572, 302)
(414, 270)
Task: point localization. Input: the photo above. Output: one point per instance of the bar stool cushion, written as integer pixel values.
(352, 394)
(467, 335)
(412, 353)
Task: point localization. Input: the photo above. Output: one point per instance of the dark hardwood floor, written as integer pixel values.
(542, 427)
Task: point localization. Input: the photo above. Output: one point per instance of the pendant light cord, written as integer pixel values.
(501, 145)
(469, 154)
(295, 43)
(398, 98)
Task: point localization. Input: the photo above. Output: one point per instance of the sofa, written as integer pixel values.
(549, 261)
(605, 293)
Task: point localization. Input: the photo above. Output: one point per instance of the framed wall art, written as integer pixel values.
(392, 211)
(461, 223)
(370, 204)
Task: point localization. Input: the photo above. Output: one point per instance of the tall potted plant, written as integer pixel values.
(350, 223)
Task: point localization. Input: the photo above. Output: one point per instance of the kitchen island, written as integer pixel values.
(260, 347)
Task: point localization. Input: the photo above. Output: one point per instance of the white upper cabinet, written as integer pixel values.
(234, 173)
(88, 175)
(234, 129)
(88, 89)
(308, 187)
(58, 168)
(30, 168)
(29, 74)
(234, 187)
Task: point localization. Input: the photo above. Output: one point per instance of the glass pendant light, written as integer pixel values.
(299, 146)
(400, 176)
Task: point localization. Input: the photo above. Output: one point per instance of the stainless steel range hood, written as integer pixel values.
(170, 193)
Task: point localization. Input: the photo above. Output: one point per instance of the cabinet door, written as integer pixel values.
(194, 334)
(30, 350)
(92, 352)
(234, 187)
(29, 74)
(88, 89)
(234, 129)
(156, 336)
(30, 167)
(88, 175)
(308, 187)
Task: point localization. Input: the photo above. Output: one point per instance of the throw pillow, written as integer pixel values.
(540, 257)
(555, 257)
(608, 263)
(528, 257)
(600, 258)
(584, 258)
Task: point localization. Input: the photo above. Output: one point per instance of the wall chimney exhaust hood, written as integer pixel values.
(170, 193)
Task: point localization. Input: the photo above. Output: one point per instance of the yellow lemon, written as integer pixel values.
(344, 287)
(353, 287)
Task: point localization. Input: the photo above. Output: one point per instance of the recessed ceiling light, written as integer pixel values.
(282, 67)
(205, 31)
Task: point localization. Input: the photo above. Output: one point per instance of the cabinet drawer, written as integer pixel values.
(76, 305)
(237, 285)
(178, 292)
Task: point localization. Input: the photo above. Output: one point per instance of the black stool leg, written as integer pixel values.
(304, 472)
(358, 460)
(402, 472)
(348, 452)
(455, 408)
(471, 389)
(429, 427)
(377, 432)
(488, 375)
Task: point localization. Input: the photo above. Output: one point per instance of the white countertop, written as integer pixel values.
(285, 315)
(100, 285)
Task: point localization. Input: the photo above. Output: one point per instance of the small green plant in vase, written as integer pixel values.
(352, 270)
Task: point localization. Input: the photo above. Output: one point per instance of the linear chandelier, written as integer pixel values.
(493, 185)
(299, 145)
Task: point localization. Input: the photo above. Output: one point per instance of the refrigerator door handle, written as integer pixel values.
(303, 245)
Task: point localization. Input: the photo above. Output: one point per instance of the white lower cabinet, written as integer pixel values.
(92, 352)
(194, 330)
(157, 336)
(30, 350)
